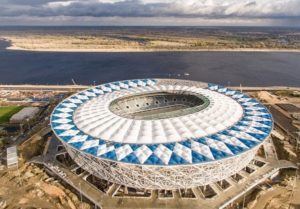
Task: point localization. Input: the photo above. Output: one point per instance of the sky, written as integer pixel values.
(151, 12)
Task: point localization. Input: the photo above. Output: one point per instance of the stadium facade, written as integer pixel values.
(161, 133)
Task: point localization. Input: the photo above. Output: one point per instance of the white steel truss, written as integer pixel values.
(162, 177)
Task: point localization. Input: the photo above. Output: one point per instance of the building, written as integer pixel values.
(12, 157)
(26, 113)
(161, 133)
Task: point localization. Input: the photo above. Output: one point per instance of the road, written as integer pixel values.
(283, 121)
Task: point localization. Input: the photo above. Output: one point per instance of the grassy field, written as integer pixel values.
(7, 111)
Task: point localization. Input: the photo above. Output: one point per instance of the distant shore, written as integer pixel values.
(117, 42)
(16, 48)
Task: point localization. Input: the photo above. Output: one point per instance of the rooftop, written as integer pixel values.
(114, 122)
(25, 113)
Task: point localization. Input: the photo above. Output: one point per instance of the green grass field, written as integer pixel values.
(7, 111)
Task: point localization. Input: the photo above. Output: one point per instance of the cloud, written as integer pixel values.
(206, 9)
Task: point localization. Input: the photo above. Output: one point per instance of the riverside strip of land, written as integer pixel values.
(82, 87)
(155, 39)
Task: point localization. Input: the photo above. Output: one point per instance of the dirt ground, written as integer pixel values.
(276, 98)
(30, 187)
(33, 147)
(268, 97)
(281, 196)
(278, 197)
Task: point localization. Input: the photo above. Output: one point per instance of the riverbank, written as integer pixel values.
(82, 87)
(151, 40)
(16, 48)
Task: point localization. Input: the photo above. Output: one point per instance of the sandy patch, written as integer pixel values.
(52, 190)
(268, 97)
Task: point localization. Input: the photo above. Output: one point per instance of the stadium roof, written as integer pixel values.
(231, 123)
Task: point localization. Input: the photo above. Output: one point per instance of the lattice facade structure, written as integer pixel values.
(162, 177)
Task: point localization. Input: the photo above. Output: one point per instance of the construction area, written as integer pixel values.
(45, 176)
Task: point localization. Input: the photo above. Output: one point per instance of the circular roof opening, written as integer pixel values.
(158, 105)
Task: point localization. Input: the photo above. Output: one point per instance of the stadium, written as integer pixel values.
(161, 133)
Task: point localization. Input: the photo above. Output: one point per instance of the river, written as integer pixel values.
(227, 68)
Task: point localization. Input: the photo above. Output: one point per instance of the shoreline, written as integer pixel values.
(39, 87)
(133, 50)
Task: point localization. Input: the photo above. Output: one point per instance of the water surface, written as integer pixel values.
(233, 68)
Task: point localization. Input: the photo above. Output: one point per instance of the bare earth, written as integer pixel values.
(268, 97)
(278, 197)
(35, 189)
(31, 187)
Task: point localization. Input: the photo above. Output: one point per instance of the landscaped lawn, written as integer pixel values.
(7, 111)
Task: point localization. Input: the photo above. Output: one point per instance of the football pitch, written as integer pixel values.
(7, 111)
